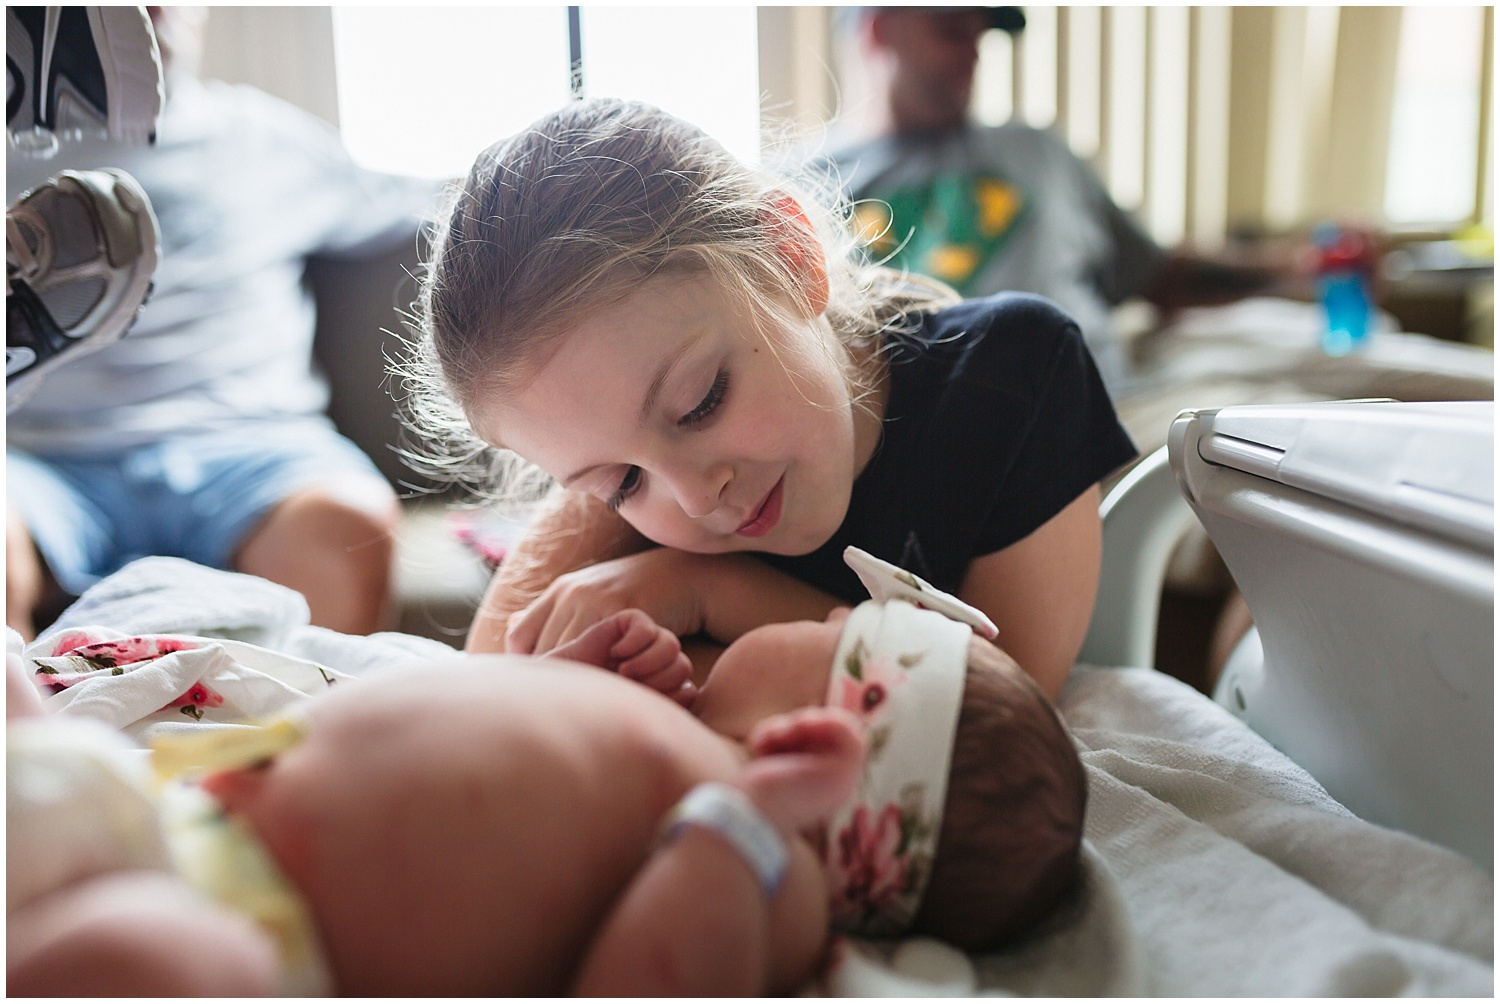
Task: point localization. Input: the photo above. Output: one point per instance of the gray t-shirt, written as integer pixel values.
(245, 187)
(1010, 207)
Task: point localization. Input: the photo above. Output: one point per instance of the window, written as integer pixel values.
(423, 89)
(1434, 152)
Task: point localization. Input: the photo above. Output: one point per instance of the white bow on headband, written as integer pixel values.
(900, 669)
(886, 581)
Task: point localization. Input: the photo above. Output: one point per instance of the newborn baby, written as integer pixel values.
(518, 825)
(969, 818)
(518, 838)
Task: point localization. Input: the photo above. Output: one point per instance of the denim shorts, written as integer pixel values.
(196, 497)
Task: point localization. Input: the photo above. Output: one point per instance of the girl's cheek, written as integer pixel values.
(649, 518)
(668, 528)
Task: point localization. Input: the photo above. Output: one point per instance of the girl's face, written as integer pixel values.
(705, 434)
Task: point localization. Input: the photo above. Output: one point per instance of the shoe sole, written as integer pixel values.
(132, 72)
(138, 290)
(129, 61)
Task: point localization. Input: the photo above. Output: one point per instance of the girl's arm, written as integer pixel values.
(570, 531)
(718, 595)
(1040, 591)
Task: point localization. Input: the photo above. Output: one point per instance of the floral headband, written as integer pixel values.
(900, 669)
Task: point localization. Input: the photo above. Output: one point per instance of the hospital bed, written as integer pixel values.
(1361, 534)
(1362, 537)
(1218, 859)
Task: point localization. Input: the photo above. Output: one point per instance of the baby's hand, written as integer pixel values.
(807, 763)
(632, 644)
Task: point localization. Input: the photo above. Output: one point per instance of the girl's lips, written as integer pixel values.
(767, 514)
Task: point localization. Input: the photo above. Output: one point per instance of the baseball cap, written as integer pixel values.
(1011, 19)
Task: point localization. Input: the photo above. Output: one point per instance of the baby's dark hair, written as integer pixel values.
(1008, 852)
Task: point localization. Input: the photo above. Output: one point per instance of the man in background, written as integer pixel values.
(201, 434)
(1009, 207)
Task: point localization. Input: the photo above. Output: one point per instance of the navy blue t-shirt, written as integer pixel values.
(996, 419)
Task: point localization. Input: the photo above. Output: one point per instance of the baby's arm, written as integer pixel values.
(134, 934)
(570, 531)
(695, 921)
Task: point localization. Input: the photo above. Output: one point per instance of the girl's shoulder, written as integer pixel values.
(1008, 311)
(1014, 333)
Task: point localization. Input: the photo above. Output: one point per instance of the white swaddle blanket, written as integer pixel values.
(1216, 866)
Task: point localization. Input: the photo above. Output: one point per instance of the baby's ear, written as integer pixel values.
(799, 249)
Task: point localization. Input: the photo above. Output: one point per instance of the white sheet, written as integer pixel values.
(1215, 866)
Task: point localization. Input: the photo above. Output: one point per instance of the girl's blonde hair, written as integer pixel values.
(572, 215)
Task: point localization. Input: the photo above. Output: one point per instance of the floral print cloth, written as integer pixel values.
(900, 670)
(151, 685)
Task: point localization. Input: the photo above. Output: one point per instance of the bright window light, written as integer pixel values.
(1126, 150)
(699, 63)
(992, 101)
(1434, 149)
(422, 90)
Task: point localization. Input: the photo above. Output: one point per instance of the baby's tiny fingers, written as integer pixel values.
(663, 667)
(637, 633)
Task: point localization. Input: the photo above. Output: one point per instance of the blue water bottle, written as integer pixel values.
(1345, 264)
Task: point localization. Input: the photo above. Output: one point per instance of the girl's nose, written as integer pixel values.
(700, 491)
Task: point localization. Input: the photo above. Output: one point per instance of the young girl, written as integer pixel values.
(695, 356)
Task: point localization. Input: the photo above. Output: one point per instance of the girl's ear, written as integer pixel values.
(798, 247)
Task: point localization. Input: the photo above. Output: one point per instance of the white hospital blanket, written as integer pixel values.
(1215, 866)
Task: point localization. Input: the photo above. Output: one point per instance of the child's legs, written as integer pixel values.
(58, 540)
(324, 524)
(25, 577)
(134, 933)
(290, 501)
(336, 545)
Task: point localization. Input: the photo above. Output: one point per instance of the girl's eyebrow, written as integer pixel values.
(580, 473)
(653, 390)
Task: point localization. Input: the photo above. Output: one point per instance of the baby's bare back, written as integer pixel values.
(465, 829)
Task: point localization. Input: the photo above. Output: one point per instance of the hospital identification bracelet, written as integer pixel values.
(728, 812)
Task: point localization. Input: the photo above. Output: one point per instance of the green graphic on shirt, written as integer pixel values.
(951, 227)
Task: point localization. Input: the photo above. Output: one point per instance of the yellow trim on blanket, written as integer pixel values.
(224, 748)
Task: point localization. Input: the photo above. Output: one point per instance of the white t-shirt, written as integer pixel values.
(245, 187)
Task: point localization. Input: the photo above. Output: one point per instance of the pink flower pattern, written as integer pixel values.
(866, 683)
(869, 869)
(879, 855)
(109, 654)
(102, 655)
(198, 697)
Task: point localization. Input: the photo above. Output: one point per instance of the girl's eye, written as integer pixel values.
(709, 404)
(628, 486)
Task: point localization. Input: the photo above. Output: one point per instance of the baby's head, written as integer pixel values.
(1013, 821)
(969, 825)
